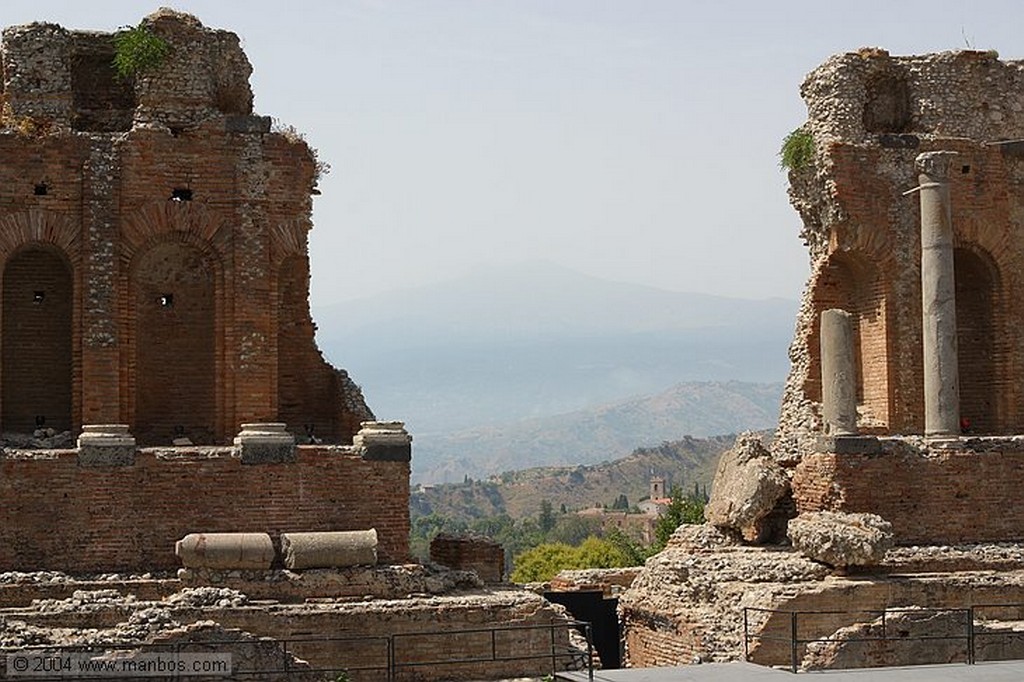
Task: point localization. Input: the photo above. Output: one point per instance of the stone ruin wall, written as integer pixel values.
(115, 194)
(870, 115)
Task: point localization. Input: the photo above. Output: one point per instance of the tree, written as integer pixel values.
(681, 510)
(546, 518)
(621, 503)
(544, 561)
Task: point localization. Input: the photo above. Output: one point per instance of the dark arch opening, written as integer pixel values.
(173, 295)
(37, 346)
(976, 339)
(851, 283)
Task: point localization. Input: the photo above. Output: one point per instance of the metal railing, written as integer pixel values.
(387, 656)
(969, 635)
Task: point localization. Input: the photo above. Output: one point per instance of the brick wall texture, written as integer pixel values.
(870, 114)
(128, 518)
(153, 240)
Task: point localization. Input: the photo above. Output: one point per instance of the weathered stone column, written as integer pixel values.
(938, 298)
(838, 382)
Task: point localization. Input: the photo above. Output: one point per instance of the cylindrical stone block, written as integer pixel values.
(329, 550)
(938, 298)
(838, 375)
(226, 551)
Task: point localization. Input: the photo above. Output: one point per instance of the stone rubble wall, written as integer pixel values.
(424, 629)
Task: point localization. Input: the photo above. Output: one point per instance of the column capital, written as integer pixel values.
(934, 164)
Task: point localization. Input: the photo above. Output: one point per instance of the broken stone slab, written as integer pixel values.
(748, 485)
(265, 443)
(337, 549)
(226, 551)
(848, 445)
(841, 539)
(384, 441)
(106, 445)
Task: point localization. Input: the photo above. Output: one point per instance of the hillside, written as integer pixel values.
(506, 344)
(520, 493)
(598, 434)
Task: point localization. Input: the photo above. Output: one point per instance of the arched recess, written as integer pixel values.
(173, 299)
(983, 356)
(38, 355)
(853, 283)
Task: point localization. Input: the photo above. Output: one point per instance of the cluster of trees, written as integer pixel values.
(538, 548)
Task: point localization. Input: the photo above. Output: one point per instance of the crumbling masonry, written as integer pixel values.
(905, 397)
(153, 234)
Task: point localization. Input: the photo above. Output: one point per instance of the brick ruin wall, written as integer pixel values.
(153, 238)
(870, 114)
(57, 515)
(474, 553)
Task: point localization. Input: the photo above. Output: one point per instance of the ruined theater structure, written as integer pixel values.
(228, 487)
(894, 478)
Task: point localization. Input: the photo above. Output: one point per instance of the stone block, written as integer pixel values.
(106, 445)
(748, 484)
(383, 442)
(848, 445)
(841, 539)
(265, 443)
(247, 124)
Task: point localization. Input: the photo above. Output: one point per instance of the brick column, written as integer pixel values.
(938, 298)
(255, 369)
(100, 353)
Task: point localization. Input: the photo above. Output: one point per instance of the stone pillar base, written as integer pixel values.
(106, 445)
(266, 443)
(384, 442)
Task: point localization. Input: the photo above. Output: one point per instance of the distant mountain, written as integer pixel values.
(683, 462)
(533, 340)
(596, 434)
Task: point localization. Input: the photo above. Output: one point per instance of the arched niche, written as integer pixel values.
(851, 282)
(37, 361)
(173, 299)
(981, 357)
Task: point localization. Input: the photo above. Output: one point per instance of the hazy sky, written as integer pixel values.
(633, 140)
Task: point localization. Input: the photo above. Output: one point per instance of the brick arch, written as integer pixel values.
(39, 227)
(288, 239)
(37, 362)
(853, 282)
(983, 349)
(189, 222)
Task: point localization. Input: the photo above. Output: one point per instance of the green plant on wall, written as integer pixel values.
(797, 150)
(137, 49)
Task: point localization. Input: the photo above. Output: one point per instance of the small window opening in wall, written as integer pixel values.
(181, 194)
(41, 190)
(40, 421)
(166, 300)
(38, 297)
(175, 131)
(965, 169)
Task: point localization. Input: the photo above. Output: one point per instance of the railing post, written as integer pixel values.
(746, 636)
(970, 636)
(551, 631)
(590, 653)
(792, 640)
(391, 657)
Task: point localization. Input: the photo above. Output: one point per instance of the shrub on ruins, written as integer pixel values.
(138, 50)
(797, 150)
